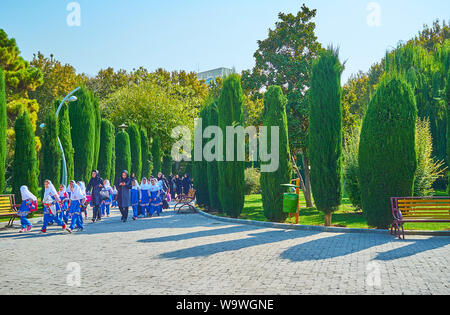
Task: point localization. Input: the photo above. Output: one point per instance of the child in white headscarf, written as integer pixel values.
(106, 204)
(83, 202)
(29, 203)
(51, 204)
(135, 197)
(76, 205)
(156, 194)
(64, 204)
(145, 198)
(114, 195)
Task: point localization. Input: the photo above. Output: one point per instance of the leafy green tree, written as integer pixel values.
(231, 173)
(25, 164)
(146, 155)
(51, 154)
(66, 138)
(123, 153)
(98, 121)
(274, 115)
(156, 154)
(325, 133)
(3, 127)
(213, 166)
(105, 158)
(200, 167)
(387, 155)
(136, 152)
(82, 121)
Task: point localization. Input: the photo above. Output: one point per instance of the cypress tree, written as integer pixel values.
(156, 154)
(387, 156)
(82, 121)
(123, 153)
(145, 150)
(25, 164)
(64, 130)
(167, 164)
(112, 177)
(200, 167)
(3, 127)
(213, 167)
(105, 157)
(136, 152)
(231, 173)
(98, 121)
(51, 154)
(325, 133)
(274, 114)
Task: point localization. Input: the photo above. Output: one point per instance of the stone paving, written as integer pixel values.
(192, 254)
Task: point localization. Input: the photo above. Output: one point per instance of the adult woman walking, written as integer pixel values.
(96, 184)
(124, 187)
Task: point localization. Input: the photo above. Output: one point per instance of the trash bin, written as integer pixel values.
(290, 203)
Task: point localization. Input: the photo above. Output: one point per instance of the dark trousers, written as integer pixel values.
(124, 212)
(97, 215)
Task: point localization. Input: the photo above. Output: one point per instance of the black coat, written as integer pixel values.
(96, 184)
(187, 184)
(123, 192)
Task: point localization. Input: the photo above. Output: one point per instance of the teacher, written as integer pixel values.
(124, 186)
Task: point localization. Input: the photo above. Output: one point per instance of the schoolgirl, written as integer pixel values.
(51, 205)
(135, 197)
(29, 204)
(145, 198)
(76, 205)
(106, 204)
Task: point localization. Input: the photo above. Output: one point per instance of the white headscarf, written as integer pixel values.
(26, 194)
(114, 190)
(76, 193)
(107, 185)
(82, 187)
(155, 186)
(136, 186)
(50, 191)
(145, 186)
(62, 192)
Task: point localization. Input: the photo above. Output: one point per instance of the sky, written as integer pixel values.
(200, 35)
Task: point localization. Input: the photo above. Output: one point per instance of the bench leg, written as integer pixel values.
(11, 221)
(403, 232)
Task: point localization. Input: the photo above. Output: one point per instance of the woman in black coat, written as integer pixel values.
(96, 184)
(124, 186)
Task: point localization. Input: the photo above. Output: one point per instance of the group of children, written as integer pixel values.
(149, 196)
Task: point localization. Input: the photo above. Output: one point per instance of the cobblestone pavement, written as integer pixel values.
(191, 254)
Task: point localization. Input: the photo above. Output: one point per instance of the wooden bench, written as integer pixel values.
(418, 210)
(186, 201)
(8, 208)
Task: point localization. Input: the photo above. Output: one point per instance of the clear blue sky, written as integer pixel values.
(203, 34)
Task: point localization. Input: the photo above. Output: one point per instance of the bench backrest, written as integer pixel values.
(191, 193)
(435, 208)
(7, 204)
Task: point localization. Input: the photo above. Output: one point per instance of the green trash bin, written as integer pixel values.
(290, 203)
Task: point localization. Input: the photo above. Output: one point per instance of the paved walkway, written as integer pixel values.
(191, 254)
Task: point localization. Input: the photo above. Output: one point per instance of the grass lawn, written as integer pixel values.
(346, 216)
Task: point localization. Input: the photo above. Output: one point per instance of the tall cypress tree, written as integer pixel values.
(25, 164)
(166, 167)
(200, 168)
(82, 121)
(213, 167)
(156, 154)
(325, 133)
(64, 130)
(146, 158)
(98, 121)
(123, 153)
(105, 157)
(112, 177)
(231, 173)
(136, 152)
(51, 154)
(3, 127)
(274, 115)
(387, 155)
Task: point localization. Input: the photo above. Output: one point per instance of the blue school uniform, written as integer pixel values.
(24, 210)
(145, 201)
(77, 218)
(106, 204)
(135, 202)
(156, 202)
(52, 215)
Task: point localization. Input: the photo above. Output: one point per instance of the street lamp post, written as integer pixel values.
(68, 98)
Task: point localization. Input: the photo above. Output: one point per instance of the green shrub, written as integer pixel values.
(252, 181)
(351, 170)
(136, 152)
(213, 166)
(123, 153)
(200, 168)
(105, 157)
(98, 121)
(51, 154)
(166, 167)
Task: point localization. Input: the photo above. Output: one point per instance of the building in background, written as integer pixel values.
(211, 75)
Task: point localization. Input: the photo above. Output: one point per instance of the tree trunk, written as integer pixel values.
(328, 219)
(302, 184)
(307, 191)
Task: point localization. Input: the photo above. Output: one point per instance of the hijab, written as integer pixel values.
(107, 185)
(26, 194)
(136, 186)
(144, 184)
(50, 191)
(63, 191)
(82, 187)
(155, 186)
(76, 194)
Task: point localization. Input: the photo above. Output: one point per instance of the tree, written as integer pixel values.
(146, 155)
(156, 154)
(123, 153)
(3, 127)
(166, 167)
(231, 172)
(199, 168)
(82, 121)
(113, 162)
(285, 59)
(136, 152)
(387, 155)
(213, 166)
(105, 157)
(274, 115)
(65, 137)
(25, 164)
(325, 133)
(51, 154)
(98, 121)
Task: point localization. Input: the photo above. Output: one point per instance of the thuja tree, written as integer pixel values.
(166, 167)
(325, 133)
(199, 169)
(25, 164)
(212, 167)
(145, 151)
(231, 171)
(3, 127)
(387, 155)
(156, 154)
(51, 154)
(82, 121)
(136, 152)
(274, 115)
(113, 162)
(105, 157)
(98, 120)
(65, 137)
(123, 153)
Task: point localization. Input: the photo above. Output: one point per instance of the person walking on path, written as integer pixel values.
(96, 184)
(124, 186)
